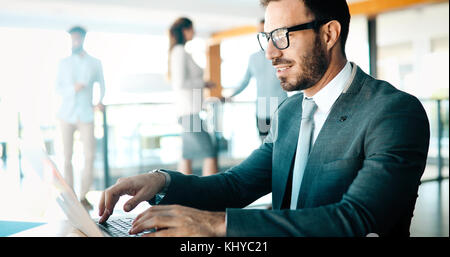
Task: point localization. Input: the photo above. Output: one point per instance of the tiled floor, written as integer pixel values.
(431, 212)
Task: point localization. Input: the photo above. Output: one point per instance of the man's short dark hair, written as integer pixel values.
(77, 29)
(328, 9)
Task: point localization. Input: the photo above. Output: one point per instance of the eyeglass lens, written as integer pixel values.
(279, 39)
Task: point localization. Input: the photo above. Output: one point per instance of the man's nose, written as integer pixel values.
(272, 52)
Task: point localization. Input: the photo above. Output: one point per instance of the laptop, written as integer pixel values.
(69, 203)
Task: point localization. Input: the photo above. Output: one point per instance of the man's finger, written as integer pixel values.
(155, 222)
(148, 214)
(104, 216)
(101, 204)
(160, 209)
(110, 197)
(134, 201)
(163, 233)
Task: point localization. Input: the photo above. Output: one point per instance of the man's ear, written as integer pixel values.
(331, 32)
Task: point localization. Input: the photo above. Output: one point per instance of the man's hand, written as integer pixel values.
(176, 220)
(100, 107)
(225, 99)
(142, 187)
(78, 86)
(210, 84)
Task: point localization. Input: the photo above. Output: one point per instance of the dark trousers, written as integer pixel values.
(263, 125)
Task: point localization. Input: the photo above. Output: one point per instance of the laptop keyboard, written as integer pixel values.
(120, 227)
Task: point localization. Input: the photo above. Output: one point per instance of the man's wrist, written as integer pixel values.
(165, 180)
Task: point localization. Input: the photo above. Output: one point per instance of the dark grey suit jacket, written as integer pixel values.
(362, 175)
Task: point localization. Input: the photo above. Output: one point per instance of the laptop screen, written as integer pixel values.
(64, 194)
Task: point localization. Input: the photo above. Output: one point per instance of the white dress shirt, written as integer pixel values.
(268, 90)
(77, 106)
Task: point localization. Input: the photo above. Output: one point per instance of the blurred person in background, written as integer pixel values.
(76, 77)
(187, 80)
(268, 88)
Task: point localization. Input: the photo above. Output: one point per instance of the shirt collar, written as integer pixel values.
(78, 55)
(326, 97)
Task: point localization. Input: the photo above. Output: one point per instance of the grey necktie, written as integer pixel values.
(303, 148)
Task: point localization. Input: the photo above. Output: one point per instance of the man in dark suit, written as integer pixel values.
(343, 158)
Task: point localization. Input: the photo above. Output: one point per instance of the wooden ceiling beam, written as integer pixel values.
(374, 7)
(365, 7)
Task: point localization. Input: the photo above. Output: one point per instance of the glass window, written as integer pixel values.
(240, 129)
(413, 49)
(413, 56)
(235, 53)
(134, 67)
(357, 46)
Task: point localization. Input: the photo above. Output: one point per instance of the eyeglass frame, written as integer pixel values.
(309, 25)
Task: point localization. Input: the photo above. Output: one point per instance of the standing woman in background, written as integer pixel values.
(187, 80)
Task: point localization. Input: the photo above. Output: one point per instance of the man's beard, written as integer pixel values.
(313, 67)
(77, 50)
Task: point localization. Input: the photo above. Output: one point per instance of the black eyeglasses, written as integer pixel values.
(280, 36)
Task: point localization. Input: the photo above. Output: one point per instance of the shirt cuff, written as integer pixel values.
(159, 196)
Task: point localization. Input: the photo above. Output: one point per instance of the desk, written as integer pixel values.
(53, 229)
(63, 228)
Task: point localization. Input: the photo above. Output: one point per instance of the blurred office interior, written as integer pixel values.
(403, 42)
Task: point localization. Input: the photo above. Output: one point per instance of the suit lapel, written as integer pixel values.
(288, 129)
(340, 113)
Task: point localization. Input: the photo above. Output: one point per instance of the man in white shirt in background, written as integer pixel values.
(76, 77)
(268, 90)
